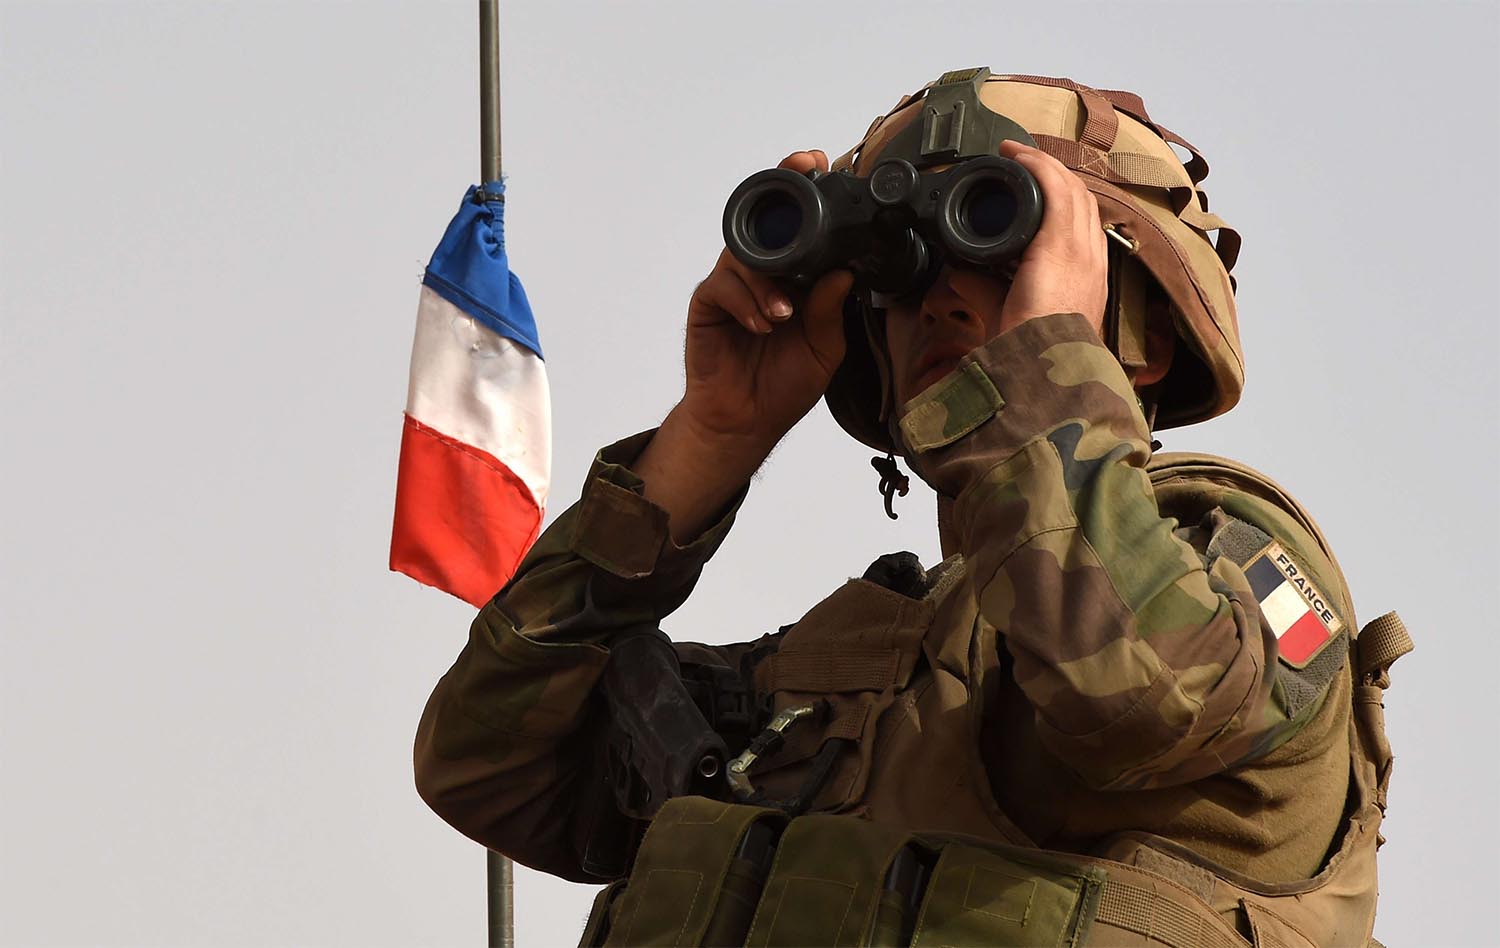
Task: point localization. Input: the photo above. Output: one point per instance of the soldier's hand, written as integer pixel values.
(1065, 269)
(761, 354)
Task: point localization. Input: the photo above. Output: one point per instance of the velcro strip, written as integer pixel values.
(830, 673)
(849, 723)
(1147, 912)
(610, 534)
(964, 400)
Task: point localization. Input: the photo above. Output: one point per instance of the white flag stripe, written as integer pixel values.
(482, 389)
(1283, 608)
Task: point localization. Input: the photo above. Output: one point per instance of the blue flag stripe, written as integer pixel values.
(1264, 577)
(524, 333)
(470, 269)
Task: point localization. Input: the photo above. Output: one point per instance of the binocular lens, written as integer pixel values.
(990, 212)
(775, 220)
(989, 209)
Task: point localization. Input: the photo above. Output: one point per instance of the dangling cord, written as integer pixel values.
(1148, 409)
(892, 481)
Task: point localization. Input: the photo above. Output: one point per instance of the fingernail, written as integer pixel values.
(780, 308)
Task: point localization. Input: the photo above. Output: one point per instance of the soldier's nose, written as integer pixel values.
(950, 322)
(942, 303)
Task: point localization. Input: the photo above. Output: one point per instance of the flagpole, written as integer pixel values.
(499, 872)
(500, 882)
(489, 91)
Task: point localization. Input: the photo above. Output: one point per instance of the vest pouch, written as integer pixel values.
(744, 883)
(676, 893)
(597, 927)
(829, 753)
(826, 885)
(999, 896)
(853, 653)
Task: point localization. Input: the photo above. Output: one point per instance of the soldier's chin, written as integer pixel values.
(931, 376)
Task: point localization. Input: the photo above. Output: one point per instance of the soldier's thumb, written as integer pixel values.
(823, 315)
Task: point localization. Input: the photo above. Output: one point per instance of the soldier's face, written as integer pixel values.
(926, 337)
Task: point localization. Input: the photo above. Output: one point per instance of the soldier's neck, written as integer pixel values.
(947, 533)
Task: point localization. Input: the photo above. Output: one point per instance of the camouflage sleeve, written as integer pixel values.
(1148, 661)
(502, 751)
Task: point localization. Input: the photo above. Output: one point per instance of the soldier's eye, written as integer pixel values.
(909, 300)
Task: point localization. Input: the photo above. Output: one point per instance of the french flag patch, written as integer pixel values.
(1298, 612)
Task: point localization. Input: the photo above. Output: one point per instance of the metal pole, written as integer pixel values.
(489, 91)
(499, 873)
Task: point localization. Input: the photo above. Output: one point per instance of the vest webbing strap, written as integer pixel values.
(1148, 912)
(1380, 643)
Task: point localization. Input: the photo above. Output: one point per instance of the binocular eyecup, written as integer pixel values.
(893, 228)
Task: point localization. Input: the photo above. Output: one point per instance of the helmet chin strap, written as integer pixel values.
(874, 323)
(893, 482)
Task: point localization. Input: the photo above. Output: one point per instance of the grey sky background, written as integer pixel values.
(215, 218)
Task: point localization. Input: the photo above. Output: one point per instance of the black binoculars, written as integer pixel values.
(894, 229)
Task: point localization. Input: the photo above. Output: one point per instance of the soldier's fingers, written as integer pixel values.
(1060, 200)
(772, 301)
(1096, 225)
(804, 161)
(1089, 228)
(823, 316)
(723, 291)
(1089, 248)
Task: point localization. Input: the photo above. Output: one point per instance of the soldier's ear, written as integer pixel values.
(1161, 345)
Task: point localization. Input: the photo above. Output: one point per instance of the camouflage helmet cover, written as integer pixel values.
(1146, 194)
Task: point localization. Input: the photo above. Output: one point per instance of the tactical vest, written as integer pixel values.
(756, 874)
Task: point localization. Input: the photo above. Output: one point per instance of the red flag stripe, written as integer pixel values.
(463, 519)
(1300, 641)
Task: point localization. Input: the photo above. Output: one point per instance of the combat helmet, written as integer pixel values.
(1161, 256)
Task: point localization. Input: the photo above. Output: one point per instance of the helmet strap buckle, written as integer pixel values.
(892, 481)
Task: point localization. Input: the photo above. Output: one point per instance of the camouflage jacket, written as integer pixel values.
(1174, 656)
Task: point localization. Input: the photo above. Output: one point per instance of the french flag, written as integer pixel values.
(1300, 615)
(476, 447)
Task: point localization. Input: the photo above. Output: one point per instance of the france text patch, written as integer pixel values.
(1298, 612)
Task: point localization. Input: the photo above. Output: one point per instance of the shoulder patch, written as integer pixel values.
(1301, 616)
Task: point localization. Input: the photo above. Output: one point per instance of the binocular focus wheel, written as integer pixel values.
(893, 182)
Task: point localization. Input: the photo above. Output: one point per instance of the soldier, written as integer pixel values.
(1129, 706)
